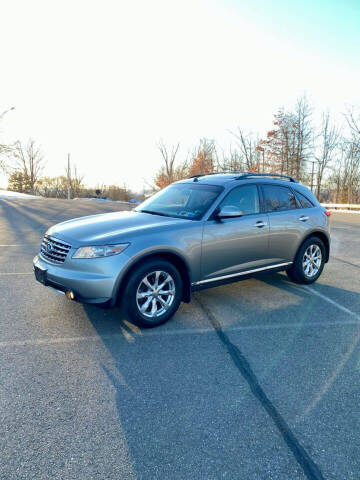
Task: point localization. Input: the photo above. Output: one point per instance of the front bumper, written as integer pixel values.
(96, 286)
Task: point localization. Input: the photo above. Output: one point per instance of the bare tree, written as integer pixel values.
(5, 152)
(352, 169)
(346, 172)
(248, 149)
(203, 158)
(289, 144)
(5, 149)
(328, 142)
(231, 161)
(170, 171)
(304, 135)
(353, 121)
(3, 166)
(28, 160)
(169, 157)
(55, 187)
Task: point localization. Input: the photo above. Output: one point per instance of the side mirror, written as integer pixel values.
(228, 211)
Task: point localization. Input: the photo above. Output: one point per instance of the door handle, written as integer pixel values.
(260, 224)
(304, 218)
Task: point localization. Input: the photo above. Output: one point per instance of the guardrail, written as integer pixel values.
(342, 207)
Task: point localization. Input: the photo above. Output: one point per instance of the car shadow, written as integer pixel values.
(29, 229)
(154, 384)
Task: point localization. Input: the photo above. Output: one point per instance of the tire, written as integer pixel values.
(137, 293)
(299, 272)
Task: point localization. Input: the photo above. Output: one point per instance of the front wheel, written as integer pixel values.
(153, 293)
(309, 262)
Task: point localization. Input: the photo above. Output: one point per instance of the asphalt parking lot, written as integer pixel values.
(253, 380)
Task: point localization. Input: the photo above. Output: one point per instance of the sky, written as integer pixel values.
(106, 80)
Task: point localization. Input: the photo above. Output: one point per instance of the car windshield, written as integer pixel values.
(181, 200)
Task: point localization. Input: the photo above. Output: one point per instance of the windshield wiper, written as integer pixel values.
(154, 213)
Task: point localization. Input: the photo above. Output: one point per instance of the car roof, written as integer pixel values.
(229, 180)
(224, 179)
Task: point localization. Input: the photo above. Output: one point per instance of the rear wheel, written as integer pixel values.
(153, 293)
(309, 262)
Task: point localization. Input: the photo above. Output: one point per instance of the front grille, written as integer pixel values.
(54, 250)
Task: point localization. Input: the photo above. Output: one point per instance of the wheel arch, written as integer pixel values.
(323, 237)
(177, 260)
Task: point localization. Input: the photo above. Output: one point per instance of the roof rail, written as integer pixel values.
(258, 174)
(216, 173)
(199, 175)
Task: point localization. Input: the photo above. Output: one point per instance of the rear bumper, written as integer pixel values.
(88, 287)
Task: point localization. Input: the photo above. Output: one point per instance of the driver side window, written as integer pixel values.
(244, 198)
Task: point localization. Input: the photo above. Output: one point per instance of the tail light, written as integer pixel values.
(327, 213)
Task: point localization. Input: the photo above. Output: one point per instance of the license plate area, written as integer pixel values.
(41, 275)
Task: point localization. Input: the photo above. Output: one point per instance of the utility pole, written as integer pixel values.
(312, 176)
(68, 178)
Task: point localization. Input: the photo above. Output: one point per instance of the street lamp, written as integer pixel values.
(6, 111)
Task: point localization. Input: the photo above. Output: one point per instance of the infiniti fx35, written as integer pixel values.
(196, 233)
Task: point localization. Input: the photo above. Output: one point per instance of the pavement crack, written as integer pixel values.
(309, 467)
(345, 261)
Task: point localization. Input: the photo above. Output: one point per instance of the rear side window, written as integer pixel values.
(244, 198)
(277, 198)
(304, 202)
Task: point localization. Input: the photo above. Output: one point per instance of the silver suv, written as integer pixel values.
(196, 233)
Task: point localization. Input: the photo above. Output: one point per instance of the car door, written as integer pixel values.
(287, 223)
(233, 245)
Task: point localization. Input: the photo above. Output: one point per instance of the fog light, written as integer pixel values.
(70, 294)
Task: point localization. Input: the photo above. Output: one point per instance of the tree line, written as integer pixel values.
(326, 157)
(24, 166)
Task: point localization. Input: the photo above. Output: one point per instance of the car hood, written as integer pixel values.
(110, 228)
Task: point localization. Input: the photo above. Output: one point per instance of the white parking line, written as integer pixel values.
(17, 273)
(161, 333)
(332, 302)
(116, 336)
(136, 332)
(11, 245)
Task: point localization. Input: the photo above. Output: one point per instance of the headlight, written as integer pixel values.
(100, 251)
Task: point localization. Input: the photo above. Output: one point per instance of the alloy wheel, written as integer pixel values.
(155, 294)
(312, 260)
